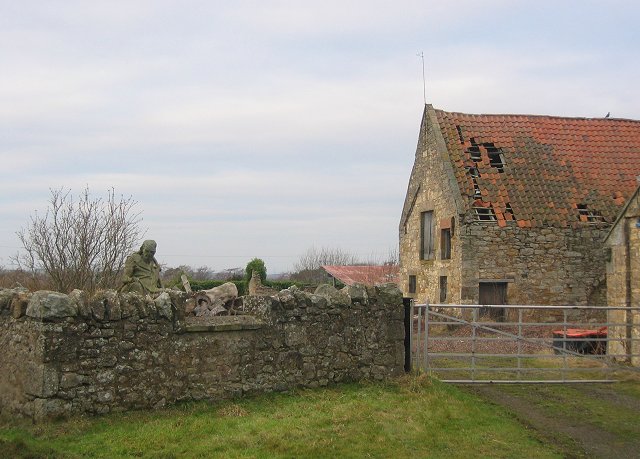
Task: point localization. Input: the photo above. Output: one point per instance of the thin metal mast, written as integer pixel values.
(424, 81)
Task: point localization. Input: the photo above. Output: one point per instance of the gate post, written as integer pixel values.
(408, 324)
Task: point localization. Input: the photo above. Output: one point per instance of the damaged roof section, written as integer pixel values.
(543, 170)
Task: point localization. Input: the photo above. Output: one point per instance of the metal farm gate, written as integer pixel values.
(519, 344)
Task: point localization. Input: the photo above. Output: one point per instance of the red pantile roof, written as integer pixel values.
(543, 169)
(368, 275)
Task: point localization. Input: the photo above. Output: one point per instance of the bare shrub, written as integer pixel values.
(315, 258)
(309, 266)
(80, 244)
(10, 278)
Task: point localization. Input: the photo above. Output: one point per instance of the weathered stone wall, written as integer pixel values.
(71, 354)
(623, 284)
(431, 188)
(547, 265)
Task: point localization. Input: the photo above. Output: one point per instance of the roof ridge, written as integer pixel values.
(523, 115)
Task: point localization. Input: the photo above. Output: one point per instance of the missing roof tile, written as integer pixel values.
(473, 171)
(588, 215)
(496, 160)
(476, 189)
(508, 212)
(460, 136)
(495, 154)
(475, 154)
(485, 214)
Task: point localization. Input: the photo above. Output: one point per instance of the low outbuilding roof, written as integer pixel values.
(365, 274)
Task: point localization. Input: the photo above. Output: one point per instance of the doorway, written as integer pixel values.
(493, 293)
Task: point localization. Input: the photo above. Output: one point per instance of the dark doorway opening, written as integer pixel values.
(493, 293)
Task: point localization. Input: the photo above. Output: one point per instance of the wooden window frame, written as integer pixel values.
(445, 244)
(426, 239)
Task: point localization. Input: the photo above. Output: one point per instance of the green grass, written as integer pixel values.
(410, 417)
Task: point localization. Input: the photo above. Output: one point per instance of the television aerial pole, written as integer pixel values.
(424, 81)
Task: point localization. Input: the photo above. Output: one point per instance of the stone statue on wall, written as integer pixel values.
(142, 271)
(256, 287)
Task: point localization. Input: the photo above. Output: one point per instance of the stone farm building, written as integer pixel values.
(514, 209)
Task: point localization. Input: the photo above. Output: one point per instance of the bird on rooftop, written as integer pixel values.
(607, 115)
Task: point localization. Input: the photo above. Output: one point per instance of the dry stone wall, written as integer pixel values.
(67, 354)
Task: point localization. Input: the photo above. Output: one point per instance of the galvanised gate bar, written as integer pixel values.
(510, 344)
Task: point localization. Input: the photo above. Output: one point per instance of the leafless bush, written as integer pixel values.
(202, 273)
(315, 258)
(80, 244)
(10, 278)
(309, 266)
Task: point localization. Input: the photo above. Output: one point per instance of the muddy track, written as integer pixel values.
(575, 438)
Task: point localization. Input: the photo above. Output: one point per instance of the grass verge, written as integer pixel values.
(410, 417)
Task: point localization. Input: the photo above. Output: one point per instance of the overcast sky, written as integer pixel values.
(262, 128)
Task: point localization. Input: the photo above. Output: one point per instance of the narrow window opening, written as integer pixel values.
(445, 244)
(443, 289)
(412, 284)
(426, 235)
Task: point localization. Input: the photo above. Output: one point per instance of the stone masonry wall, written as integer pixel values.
(430, 188)
(623, 284)
(72, 354)
(547, 265)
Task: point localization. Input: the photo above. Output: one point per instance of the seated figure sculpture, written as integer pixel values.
(142, 271)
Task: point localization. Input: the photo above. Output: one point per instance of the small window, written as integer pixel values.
(412, 284)
(426, 235)
(443, 289)
(445, 244)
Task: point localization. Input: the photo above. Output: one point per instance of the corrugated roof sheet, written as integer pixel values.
(543, 169)
(368, 275)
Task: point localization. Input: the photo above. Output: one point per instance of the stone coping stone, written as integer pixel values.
(221, 324)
